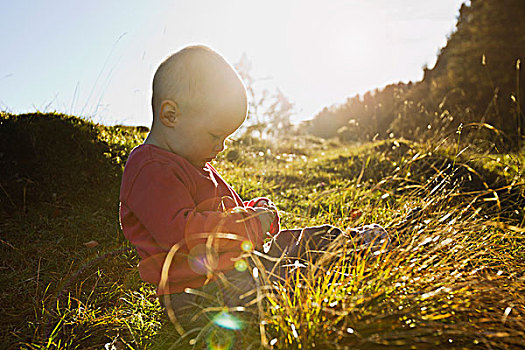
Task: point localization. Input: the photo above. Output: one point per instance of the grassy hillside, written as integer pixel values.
(453, 279)
(477, 84)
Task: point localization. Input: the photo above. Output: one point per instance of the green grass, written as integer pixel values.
(454, 278)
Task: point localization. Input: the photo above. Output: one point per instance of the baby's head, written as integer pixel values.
(198, 101)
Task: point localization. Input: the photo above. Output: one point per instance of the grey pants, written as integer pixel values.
(236, 288)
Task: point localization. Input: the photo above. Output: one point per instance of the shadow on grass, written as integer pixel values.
(59, 184)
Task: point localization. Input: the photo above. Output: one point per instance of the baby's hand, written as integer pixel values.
(266, 203)
(266, 217)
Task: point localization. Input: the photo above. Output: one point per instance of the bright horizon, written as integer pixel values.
(96, 59)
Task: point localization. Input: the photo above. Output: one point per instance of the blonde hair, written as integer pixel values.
(193, 77)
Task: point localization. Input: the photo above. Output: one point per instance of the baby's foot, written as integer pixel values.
(373, 236)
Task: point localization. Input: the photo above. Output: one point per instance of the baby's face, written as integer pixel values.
(200, 135)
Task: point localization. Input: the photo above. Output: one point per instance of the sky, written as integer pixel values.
(96, 59)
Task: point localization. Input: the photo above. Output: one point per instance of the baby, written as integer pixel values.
(187, 224)
(174, 206)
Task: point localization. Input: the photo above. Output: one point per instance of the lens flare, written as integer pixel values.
(220, 339)
(226, 320)
(198, 259)
(240, 265)
(247, 246)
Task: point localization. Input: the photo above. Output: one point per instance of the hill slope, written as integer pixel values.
(476, 80)
(453, 279)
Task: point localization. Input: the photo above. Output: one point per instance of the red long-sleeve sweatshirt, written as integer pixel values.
(165, 201)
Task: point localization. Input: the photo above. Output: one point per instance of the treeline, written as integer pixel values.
(476, 87)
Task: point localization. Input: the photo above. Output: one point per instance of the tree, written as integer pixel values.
(268, 113)
(476, 80)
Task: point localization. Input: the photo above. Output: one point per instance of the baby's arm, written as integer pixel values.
(164, 205)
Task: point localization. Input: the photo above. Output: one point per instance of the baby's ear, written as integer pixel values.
(169, 113)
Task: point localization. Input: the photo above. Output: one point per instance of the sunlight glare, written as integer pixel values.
(240, 265)
(226, 320)
(197, 259)
(220, 339)
(247, 246)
